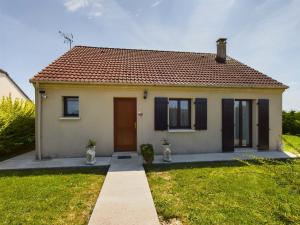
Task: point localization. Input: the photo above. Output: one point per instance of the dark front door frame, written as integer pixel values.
(134, 148)
(241, 123)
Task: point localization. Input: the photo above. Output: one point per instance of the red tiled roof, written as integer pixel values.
(150, 67)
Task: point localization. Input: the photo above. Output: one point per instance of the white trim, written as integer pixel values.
(181, 130)
(69, 118)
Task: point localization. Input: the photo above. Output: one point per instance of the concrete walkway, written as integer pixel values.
(125, 197)
(28, 161)
(214, 157)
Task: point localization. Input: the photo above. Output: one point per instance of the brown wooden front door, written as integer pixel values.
(125, 124)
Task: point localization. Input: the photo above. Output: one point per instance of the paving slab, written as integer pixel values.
(232, 156)
(28, 161)
(125, 197)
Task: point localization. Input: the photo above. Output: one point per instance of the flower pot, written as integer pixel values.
(167, 153)
(90, 155)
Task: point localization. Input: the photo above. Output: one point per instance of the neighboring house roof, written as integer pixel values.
(15, 84)
(84, 64)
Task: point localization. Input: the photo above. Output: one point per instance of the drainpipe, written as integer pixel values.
(38, 121)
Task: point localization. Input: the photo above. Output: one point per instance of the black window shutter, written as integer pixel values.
(228, 125)
(160, 113)
(201, 114)
(263, 124)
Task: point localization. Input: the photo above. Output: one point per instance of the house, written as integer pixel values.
(10, 88)
(122, 98)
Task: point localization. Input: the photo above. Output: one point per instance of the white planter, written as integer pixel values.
(167, 153)
(91, 155)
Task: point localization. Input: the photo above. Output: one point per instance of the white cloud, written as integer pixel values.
(269, 42)
(265, 39)
(94, 8)
(74, 5)
(156, 3)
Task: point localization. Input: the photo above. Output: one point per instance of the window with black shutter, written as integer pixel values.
(161, 113)
(263, 124)
(228, 125)
(201, 114)
(179, 113)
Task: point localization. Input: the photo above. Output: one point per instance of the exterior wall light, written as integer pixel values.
(145, 94)
(43, 94)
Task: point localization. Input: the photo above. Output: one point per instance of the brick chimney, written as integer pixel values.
(221, 50)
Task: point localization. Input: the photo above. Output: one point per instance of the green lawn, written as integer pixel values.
(291, 143)
(49, 196)
(228, 193)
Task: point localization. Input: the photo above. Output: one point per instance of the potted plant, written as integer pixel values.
(166, 150)
(147, 153)
(91, 152)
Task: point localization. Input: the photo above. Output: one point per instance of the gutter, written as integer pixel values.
(38, 121)
(191, 85)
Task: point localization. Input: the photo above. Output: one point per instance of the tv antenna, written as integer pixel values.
(68, 38)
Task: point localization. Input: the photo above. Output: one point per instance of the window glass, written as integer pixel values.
(242, 123)
(179, 114)
(173, 113)
(236, 123)
(184, 113)
(71, 106)
(246, 123)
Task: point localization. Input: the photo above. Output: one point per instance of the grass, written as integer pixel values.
(256, 192)
(291, 143)
(49, 196)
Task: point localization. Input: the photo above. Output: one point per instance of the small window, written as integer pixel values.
(179, 113)
(71, 106)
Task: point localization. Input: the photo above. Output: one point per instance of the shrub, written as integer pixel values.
(291, 122)
(147, 153)
(16, 125)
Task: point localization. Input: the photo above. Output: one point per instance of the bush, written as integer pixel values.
(16, 125)
(147, 153)
(291, 122)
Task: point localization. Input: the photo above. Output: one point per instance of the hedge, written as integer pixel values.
(16, 125)
(291, 122)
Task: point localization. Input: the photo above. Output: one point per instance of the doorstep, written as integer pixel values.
(245, 150)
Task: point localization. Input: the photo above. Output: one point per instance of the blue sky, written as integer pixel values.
(264, 34)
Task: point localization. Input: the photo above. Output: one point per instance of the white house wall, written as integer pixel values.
(68, 138)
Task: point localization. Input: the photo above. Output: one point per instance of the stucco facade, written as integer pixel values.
(9, 88)
(65, 137)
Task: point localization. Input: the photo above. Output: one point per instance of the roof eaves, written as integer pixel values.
(283, 87)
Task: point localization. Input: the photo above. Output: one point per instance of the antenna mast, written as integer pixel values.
(68, 38)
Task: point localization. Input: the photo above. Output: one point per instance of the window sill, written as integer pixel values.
(180, 130)
(69, 118)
